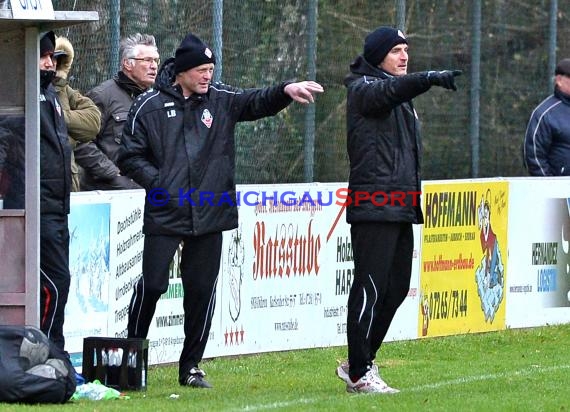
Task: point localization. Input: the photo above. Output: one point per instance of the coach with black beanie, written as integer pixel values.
(178, 143)
(384, 150)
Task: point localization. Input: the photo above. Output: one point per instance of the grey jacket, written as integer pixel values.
(98, 159)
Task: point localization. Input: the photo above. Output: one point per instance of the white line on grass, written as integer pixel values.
(532, 369)
(468, 379)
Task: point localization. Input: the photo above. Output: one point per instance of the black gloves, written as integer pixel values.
(122, 182)
(443, 78)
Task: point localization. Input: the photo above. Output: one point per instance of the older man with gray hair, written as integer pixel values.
(139, 66)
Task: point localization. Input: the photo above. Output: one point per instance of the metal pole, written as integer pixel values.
(32, 179)
(552, 44)
(475, 87)
(218, 24)
(115, 36)
(312, 74)
(401, 14)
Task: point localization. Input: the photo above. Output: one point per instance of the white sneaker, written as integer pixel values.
(370, 383)
(385, 387)
(342, 372)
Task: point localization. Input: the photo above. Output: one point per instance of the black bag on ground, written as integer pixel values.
(32, 369)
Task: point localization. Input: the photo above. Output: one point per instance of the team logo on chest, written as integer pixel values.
(207, 118)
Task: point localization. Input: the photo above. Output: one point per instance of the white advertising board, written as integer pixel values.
(286, 271)
(105, 259)
(89, 304)
(538, 289)
(284, 279)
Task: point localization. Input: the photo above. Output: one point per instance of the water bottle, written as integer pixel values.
(143, 375)
(105, 363)
(132, 368)
(113, 370)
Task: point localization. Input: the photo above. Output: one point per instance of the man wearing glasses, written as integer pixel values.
(139, 66)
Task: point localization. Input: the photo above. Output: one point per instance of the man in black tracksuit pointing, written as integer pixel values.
(384, 149)
(178, 143)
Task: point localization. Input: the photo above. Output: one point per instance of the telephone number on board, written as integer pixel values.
(448, 304)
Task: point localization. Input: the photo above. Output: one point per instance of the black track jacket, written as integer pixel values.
(55, 154)
(181, 151)
(384, 146)
(546, 149)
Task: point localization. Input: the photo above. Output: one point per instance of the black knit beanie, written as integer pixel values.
(379, 43)
(563, 67)
(192, 52)
(47, 43)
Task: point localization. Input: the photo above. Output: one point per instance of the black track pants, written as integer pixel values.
(382, 265)
(199, 267)
(54, 275)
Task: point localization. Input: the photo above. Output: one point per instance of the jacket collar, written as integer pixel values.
(127, 84)
(360, 67)
(562, 96)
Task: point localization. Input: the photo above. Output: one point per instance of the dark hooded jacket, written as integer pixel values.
(182, 152)
(384, 146)
(55, 151)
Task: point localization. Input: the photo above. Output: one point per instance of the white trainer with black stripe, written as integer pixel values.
(343, 369)
(371, 382)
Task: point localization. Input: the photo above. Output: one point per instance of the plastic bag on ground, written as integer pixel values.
(96, 391)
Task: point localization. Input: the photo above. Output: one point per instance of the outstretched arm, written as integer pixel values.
(373, 97)
(256, 103)
(303, 92)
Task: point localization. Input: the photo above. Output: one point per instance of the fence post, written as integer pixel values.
(115, 37)
(552, 44)
(312, 74)
(218, 25)
(401, 15)
(475, 87)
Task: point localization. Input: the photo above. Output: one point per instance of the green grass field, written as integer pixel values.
(512, 370)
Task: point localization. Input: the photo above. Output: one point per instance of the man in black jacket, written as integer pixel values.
(384, 150)
(178, 143)
(546, 147)
(55, 185)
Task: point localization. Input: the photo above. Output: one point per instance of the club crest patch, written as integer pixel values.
(207, 118)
